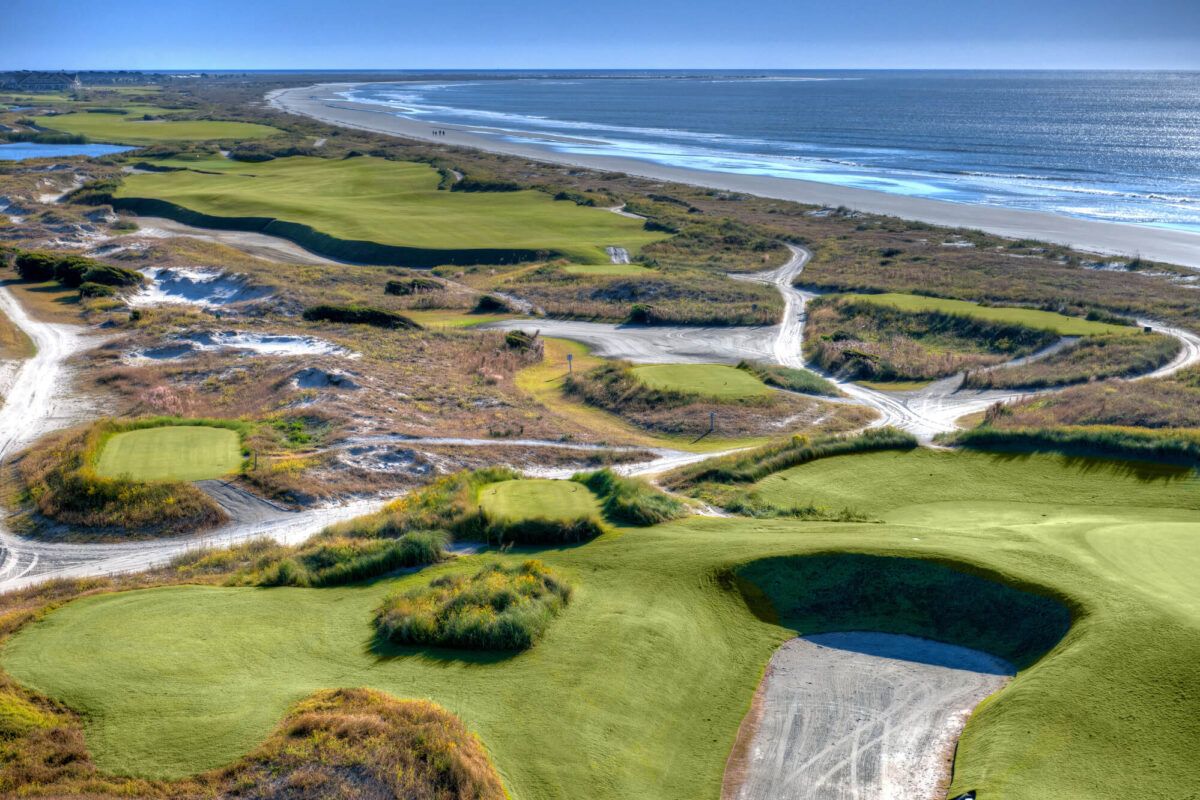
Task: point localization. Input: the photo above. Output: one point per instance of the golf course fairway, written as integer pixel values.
(391, 203)
(711, 380)
(173, 452)
(638, 688)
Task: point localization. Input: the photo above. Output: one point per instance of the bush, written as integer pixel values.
(108, 275)
(631, 500)
(37, 267)
(409, 286)
(497, 608)
(72, 271)
(491, 304)
(88, 289)
(360, 315)
(1108, 441)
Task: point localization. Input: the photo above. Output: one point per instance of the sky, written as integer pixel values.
(515, 34)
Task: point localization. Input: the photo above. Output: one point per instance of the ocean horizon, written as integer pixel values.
(1108, 146)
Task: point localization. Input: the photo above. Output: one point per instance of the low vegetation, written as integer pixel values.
(754, 465)
(1091, 359)
(1017, 316)
(1172, 447)
(497, 608)
(865, 340)
(631, 501)
(359, 315)
(793, 380)
(335, 561)
(92, 278)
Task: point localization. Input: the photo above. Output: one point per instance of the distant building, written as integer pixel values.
(26, 81)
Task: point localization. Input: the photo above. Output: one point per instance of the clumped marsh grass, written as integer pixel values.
(1091, 359)
(335, 561)
(497, 608)
(793, 380)
(632, 501)
(1168, 446)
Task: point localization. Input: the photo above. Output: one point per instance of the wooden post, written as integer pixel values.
(570, 363)
(712, 421)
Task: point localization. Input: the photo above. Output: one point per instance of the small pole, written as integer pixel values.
(712, 421)
(570, 363)
(256, 461)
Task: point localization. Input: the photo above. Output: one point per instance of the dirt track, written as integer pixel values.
(859, 716)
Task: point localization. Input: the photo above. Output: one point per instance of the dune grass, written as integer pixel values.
(711, 380)
(393, 203)
(656, 623)
(530, 498)
(1028, 317)
(174, 452)
(131, 128)
(605, 269)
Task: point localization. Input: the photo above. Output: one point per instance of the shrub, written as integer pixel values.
(108, 275)
(631, 500)
(1114, 442)
(491, 304)
(409, 286)
(360, 315)
(497, 608)
(37, 267)
(88, 289)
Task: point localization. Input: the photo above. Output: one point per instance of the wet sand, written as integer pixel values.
(1158, 244)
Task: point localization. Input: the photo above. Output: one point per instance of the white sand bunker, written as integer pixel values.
(196, 287)
(843, 716)
(265, 344)
(316, 378)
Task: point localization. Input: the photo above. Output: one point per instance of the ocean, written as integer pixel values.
(1112, 146)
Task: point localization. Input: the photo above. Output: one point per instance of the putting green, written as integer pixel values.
(711, 380)
(1028, 317)
(392, 203)
(176, 452)
(549, 499)
(131, 128)
(637, 691)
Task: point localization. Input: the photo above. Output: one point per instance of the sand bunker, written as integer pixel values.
(196, 287)
(315, 378)
(841, 716)
(264, 344)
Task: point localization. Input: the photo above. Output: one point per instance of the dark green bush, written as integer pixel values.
(409, 286)
(497, 608)
(35, 266)
(108, 275)
(87, 289)
(491, 304)
(360, 315)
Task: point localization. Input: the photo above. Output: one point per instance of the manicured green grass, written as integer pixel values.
(1029, 317)
(177, 452)
(549, 499)
(392, 203)
(636, 691)
(606, 269)
(132, 129)
(711, 380)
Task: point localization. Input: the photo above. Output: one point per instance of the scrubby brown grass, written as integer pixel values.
(869, 341)
(1090, 359)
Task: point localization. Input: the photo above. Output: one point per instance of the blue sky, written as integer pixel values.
(298, 34)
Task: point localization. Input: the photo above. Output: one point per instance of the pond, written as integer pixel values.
(20, 151)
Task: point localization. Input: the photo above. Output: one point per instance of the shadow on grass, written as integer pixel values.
(69, 296)
(1097, 462)
(385, 650)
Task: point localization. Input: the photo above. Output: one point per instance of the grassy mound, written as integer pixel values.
(392, 203)
(709, 380)
(61, 479)
(1170, 447)
(850, 592)
(170, 453)
(360, 315)
(497, 608)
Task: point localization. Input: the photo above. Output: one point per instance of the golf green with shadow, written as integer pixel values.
(637, 688)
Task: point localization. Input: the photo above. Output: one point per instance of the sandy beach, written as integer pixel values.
(323, 102)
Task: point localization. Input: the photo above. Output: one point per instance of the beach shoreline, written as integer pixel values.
(323, 102)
